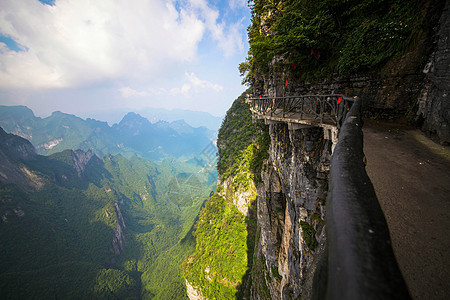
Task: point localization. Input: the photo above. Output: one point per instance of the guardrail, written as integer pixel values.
(329, 109)
(357, 260)
(361, 262)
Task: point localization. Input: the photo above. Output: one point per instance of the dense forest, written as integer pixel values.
(307, 40)
(61, 214)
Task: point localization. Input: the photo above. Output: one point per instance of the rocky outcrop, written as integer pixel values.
(14, 151)
(434, 102)
(242, 198)
(81, 159)
(118, 242)
(193, 293)
(50, 144)
(290, 211)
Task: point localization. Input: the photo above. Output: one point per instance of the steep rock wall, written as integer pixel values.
(80, 160)
(118, 241)
(290, 211)
(434, 102)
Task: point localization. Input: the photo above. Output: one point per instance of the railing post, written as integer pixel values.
(302, 101)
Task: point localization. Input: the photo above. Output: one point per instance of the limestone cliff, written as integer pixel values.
(290, 211)
(118, 241)
(434, 102)
(81, 159)
(278, 181)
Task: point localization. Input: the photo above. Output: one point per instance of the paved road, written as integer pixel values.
(411, 176)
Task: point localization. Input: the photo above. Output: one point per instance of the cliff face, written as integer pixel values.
(118, 241)
(81, 159)
(434, 102)
(282, 196)
(290, 210)
(14, 151)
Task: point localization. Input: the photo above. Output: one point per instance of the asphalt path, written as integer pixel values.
(411, 177)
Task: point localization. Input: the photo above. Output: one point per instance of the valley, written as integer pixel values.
(77, 224)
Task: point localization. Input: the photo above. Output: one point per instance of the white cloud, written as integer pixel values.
(129, 92)
(235, 4)
(192, 84)
(199, 83)
(83, 42)
(228, 37)
(184, 90)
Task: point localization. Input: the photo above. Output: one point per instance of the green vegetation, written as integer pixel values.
(309, 235)
(241, 143)
(220, 260)
(225, 237)
(314, 39)
(114, 284)
(56, 241)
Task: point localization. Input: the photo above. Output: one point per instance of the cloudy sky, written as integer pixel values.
(84, 55)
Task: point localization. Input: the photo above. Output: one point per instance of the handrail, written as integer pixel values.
(330, 108)
(361, 262)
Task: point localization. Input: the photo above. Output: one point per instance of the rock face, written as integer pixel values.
(434, 103)
(81, 159)
(241, 198)
(290, 211)
(13, 151)
(193, 293)
(118, 242)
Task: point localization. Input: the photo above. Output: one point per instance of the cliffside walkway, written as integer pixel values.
(411, 177)
(327, 111)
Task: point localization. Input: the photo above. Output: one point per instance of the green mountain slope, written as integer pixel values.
(220, 266)
(75, 226)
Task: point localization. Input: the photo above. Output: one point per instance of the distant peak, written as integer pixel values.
(134, 117)
(16, 111)
(180, 122)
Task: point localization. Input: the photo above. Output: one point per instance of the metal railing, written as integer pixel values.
(330, 109)
(361, 262)
(357, 260)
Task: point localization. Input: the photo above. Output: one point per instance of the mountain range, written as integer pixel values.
(193, 118)
(134, 134)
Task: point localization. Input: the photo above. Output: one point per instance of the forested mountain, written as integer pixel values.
(132, 135)
(76, 226)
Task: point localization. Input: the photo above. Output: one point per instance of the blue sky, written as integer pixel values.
(78, 56)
